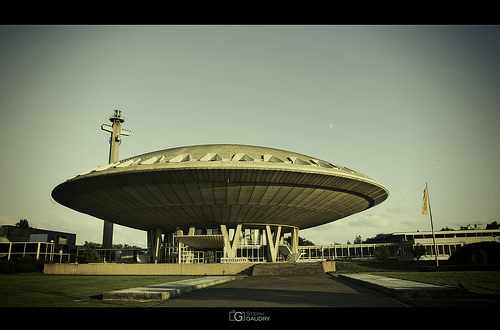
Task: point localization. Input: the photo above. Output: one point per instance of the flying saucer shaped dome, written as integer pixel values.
(209, 185)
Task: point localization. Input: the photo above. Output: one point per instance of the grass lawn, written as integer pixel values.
(41, 290)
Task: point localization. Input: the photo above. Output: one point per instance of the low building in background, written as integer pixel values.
(37, 243)
(401, 245)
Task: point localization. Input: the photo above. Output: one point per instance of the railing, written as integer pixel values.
(37, 250)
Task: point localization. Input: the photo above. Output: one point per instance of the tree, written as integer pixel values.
(302, 241)
(381, 252)
(90, 254)
(305, 242)
(380, 238)
(493, 225)
(476, 253)
(92, 245)
(23, 223)
(418, 251)
(358, 239)
(125, 246)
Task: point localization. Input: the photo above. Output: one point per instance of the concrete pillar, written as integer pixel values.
(149, 243)
(154, 244)
(272, 243)
(115, 141)
(230, 246)
(295, 240)
(179, 232)
(180, 245)
(158, 243)
(38, 251)
(107, 235)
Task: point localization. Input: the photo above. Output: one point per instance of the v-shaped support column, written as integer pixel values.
(272, 243)
(230, 247)
(154, 244)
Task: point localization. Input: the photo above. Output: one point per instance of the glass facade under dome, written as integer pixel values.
(251, 247)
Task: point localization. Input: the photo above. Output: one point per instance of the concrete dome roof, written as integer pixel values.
(209, 185)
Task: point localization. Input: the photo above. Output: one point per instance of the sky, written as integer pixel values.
(404, 104)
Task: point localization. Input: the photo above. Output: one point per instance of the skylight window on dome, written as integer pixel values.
(323, 164)
(272, 159)
(125, 164)
(348, 169)
(298, 161)
(181, 158)
(242, 157)
(148, 161)
(104, 167)
(212, 157)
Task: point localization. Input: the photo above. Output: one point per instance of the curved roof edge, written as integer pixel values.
(225, 155)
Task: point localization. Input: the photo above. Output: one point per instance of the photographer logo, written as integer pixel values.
(247, 316)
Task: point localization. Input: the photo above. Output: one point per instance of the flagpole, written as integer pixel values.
(432, 226)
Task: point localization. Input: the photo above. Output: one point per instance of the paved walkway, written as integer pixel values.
(283, 291)
(349, 290)
(403, 288)
(166, 290)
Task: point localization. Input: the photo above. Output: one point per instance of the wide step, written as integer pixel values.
(288, 269)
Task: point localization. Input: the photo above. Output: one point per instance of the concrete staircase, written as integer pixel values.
(288, 269)
(286, 250)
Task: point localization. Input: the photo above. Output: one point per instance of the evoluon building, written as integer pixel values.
(220, 203)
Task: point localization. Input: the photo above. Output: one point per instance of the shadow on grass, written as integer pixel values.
(472, 301)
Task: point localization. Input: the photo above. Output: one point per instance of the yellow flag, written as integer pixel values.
(424, 203)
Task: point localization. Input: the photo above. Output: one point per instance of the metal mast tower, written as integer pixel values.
(114, 145)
